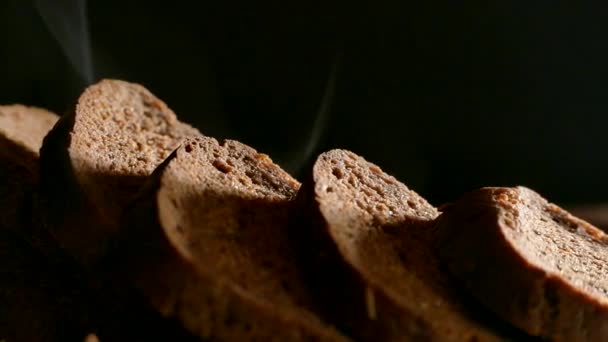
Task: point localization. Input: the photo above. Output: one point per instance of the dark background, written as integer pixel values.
(448, 96)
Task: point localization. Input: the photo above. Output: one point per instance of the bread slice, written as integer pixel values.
(21, 132)
(44, 294)
(97, 157)
(530, 261)
(371, 258)
(207, 243)
(37, 301)
(26, 126)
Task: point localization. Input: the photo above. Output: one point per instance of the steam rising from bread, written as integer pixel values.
(321, 120)
(68, 24)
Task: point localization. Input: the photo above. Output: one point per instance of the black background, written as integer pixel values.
(448, 96)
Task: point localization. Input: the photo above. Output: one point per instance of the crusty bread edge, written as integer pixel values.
(481, 258)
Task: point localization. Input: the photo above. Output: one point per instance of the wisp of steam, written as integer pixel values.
(322, 117)
(67, 22)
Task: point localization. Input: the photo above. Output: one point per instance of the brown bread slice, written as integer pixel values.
(530, 261)
(37, 303)
(97, 157)
(22, 130)
(44, 294)
(371, 256)
(26, 126)
(207, 243)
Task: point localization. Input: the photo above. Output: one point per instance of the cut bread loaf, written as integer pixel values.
(97, 157)
(370, 256)
(531, 262)
(207, 242)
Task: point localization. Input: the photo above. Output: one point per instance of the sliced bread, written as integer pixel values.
(26, 126)
(37, 301)
(207, 243)
(96, 158)
(22, 130)
(529, 261)
(44, 294)
(368, 242)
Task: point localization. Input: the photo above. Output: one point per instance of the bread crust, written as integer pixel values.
(473, 245)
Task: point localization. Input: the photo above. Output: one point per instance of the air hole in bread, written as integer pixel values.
(329, 189)
(221, 166)
(352, 181)
(188, 148)
(564, 222)
(252, 177)
(412, 204)
(337, 172)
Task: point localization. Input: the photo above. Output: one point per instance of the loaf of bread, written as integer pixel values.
(96, 158)
(369, 243)
(207, 242)
(131, 225)
(531, 262)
